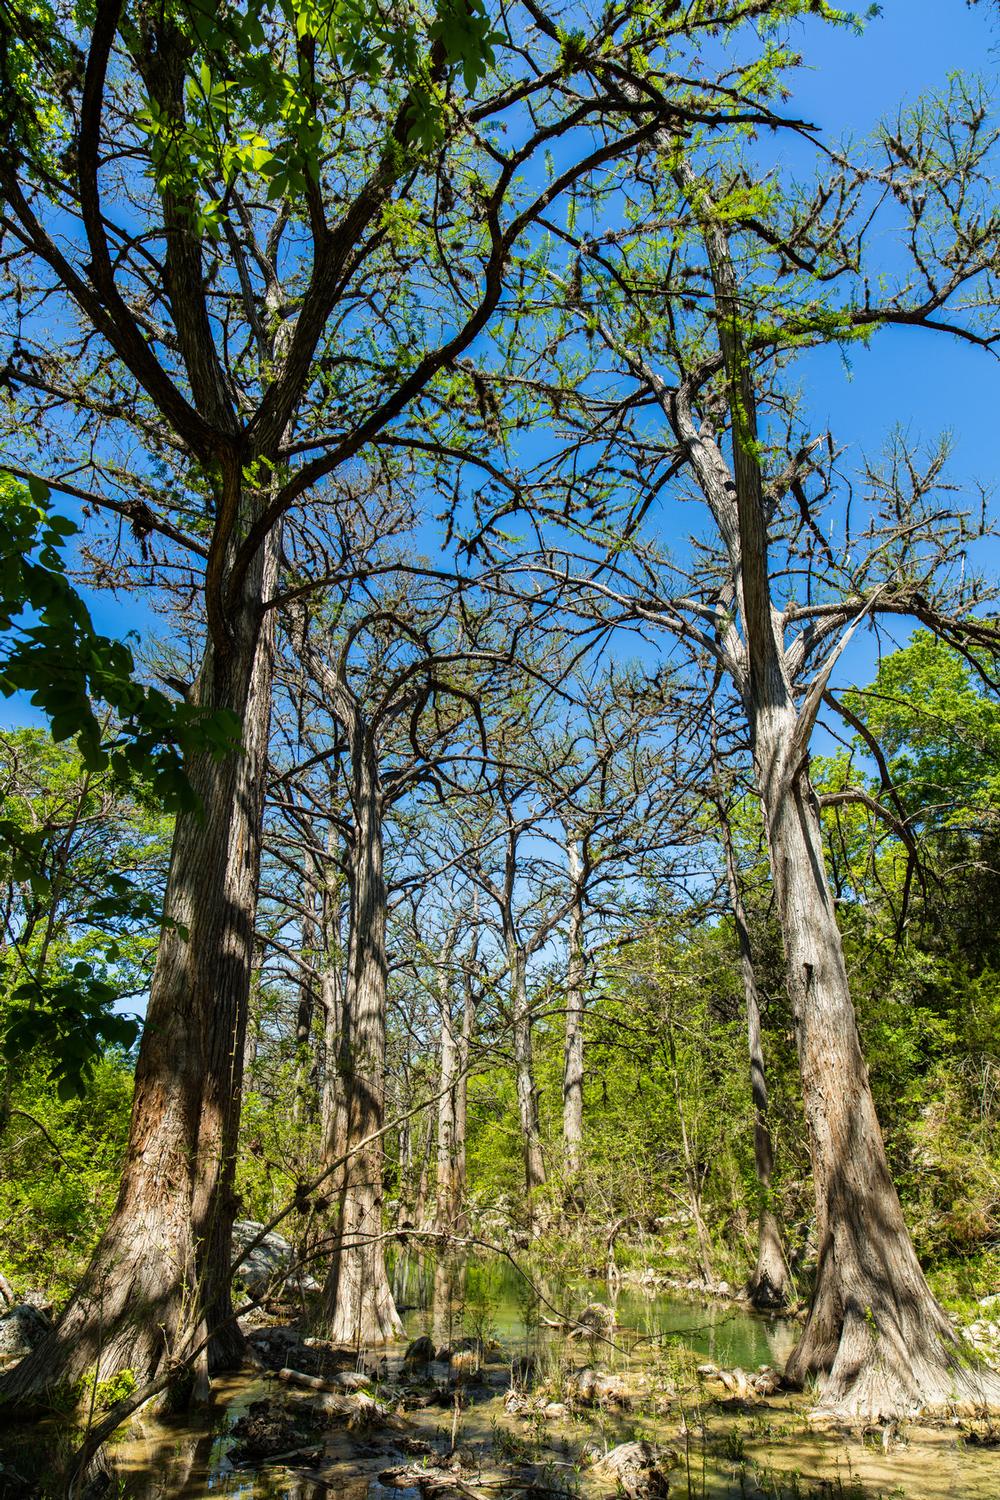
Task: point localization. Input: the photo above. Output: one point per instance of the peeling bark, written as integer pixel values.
(573, 1053)
(524, 1077)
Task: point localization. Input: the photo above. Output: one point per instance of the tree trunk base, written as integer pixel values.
(359, 1306)
(370, 1320)
(882, 1368)
(133, 1312)
(767, 1287)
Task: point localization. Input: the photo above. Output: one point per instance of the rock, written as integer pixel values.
(555, 1410)
(990, 1301)
(40, 1300)
(517, 1403)
(465, 1360)
(596, 1388)
(420, 1352)
(267, 1270)
(737, 1382)
(639, 1469)
(596, 1318)
(353, 1380)
(708, 1371)
(22, 1327)
(465, 1354)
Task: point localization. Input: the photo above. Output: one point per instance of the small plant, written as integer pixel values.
(509, 1447)
(104, 1394)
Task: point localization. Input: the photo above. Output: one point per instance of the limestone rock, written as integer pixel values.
(596, 1318)
(21, 1328)
(267, 1270)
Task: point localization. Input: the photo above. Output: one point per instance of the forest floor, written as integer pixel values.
(646, 1431)
(679, 1396)
(678, 1399)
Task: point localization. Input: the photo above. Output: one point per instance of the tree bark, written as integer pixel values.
(767, 1286)
(691, 1173)
(876, 1337)
(159, 1281)
(573, 1053)
(305, 1059)
(358, 1303)
(462, 1103)
(527, 1096)
(446, 1205)
(333, 1106)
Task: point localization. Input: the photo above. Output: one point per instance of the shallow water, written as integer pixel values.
(722, 1450)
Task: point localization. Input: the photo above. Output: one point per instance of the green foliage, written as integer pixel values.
(50, 650)
(104, 1394)
(80, 918)
(59, 1165)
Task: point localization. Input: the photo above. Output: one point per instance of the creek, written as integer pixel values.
(716, 1447)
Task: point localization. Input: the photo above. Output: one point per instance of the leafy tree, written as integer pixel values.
(80, 920)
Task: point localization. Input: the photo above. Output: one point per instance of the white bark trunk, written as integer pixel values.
(573, 1053)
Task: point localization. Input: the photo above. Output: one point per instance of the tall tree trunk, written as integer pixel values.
(573, 1054)
(691, 1173)
(462, 1103)
(445, 1204)
(876, 1336)
(358, 1301)
(305, 1060)
(767, 1286)
(527, 1097)
(333, 1104)
(424, 1178)
(158, 1282)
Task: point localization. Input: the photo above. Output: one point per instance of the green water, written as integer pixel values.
(493, 1300)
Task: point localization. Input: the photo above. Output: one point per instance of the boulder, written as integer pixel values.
(21, 1328)
(596, 1388)
(420, 1352)
(267, 1269)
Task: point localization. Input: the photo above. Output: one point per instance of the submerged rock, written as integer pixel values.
(22, 1327)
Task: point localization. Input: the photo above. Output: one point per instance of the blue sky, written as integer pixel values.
(927, 386)
(910, 49)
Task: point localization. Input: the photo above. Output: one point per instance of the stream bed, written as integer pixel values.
(542, 1444)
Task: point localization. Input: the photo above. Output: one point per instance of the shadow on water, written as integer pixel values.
(719, 1449)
